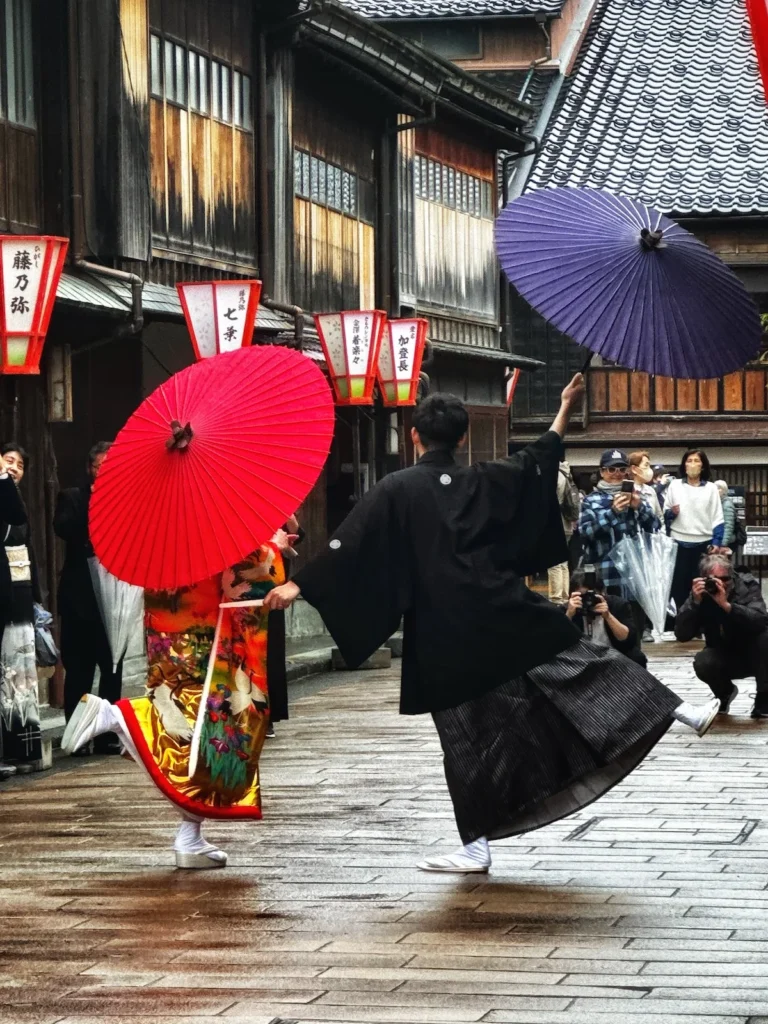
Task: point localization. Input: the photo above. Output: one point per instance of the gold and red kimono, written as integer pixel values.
(180, 627)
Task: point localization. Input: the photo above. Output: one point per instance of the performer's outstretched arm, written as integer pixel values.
(570, 398)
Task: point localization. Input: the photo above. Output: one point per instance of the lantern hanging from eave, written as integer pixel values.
(758, 18)
(513, 378)
(220, 315)
(30, 272)
(400, 357)
(351, 341)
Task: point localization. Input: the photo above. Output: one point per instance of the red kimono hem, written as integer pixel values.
(191, 806)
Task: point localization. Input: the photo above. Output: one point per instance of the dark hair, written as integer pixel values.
(706, 469)
(12, 446)
(441, 421)
(579, 579)
(100, 448)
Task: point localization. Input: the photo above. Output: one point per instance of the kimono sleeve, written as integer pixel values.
(359, 583)
(525, 485)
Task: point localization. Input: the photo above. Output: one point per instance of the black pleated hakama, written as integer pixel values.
(550, 742)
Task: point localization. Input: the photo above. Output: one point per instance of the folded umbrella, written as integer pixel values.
(210, 466)
(646, 564)
(627, 283)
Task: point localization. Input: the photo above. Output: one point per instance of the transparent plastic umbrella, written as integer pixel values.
(121, 606)
(646, 564)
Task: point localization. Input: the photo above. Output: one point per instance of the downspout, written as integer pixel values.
(78, 185)
(296, 312)
(266, 268)
(541, 20)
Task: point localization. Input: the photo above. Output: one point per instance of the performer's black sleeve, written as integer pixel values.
(525, 487)
(359, 583)
(12, 511)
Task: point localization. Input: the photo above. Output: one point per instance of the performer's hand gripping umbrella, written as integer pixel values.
(627, 283)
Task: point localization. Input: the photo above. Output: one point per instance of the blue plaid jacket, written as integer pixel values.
(601, 528)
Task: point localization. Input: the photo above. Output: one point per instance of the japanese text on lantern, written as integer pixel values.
(356, 342)
(402, 353)
(22, 263)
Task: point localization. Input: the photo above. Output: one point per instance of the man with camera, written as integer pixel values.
(728, 608)
(603, 618)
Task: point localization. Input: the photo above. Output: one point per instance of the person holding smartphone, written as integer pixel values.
(615, 509)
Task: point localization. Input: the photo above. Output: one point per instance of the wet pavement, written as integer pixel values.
(652, 902)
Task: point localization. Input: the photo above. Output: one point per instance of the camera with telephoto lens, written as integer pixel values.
(711, 587)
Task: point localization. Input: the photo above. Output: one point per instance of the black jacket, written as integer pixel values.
(13, 514)
(621, 610)
(70, 522)
(446, 550)
(747, 618)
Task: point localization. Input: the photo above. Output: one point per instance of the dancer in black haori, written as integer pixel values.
(534, 720)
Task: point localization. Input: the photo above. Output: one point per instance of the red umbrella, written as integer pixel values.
(210, 465)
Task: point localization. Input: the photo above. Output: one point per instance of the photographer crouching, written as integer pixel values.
(728, 608)
(605, 619)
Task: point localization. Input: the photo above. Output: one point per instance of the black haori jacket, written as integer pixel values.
(446, 550)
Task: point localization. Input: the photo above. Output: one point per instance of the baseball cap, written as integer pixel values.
(613, 457)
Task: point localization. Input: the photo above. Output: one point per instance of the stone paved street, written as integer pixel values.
(651, 904)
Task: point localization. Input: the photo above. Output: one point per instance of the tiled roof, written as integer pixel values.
(106, 294)
(537, 85)
(666, 105)
(406, 9)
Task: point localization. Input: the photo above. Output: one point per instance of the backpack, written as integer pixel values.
(570, 506)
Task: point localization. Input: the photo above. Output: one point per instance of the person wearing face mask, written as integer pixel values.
(693, 514)
(641, 473)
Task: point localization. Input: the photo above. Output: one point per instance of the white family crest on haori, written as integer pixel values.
(121, 606)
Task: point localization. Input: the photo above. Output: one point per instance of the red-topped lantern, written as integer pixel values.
(220, 315)
(31, 268)
(512, 380)
(351, 341)
(400, 356)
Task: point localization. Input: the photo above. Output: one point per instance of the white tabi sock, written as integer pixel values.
(192, 850)
(189, 838)
(698, 717)
(472, 858)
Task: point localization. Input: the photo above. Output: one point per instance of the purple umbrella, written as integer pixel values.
(627, 283)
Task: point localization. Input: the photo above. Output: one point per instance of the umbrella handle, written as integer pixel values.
(587, 363)
(194, 749)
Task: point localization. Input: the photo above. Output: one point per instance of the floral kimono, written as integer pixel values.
(181, 627)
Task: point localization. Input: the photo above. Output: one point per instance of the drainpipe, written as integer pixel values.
(266, 269)
(541, 20)
(78, 184)
(296, 312)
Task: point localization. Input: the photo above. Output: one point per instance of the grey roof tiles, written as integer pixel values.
(665, 104)
(403, 9)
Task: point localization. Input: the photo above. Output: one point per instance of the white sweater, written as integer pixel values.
(700, 511)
